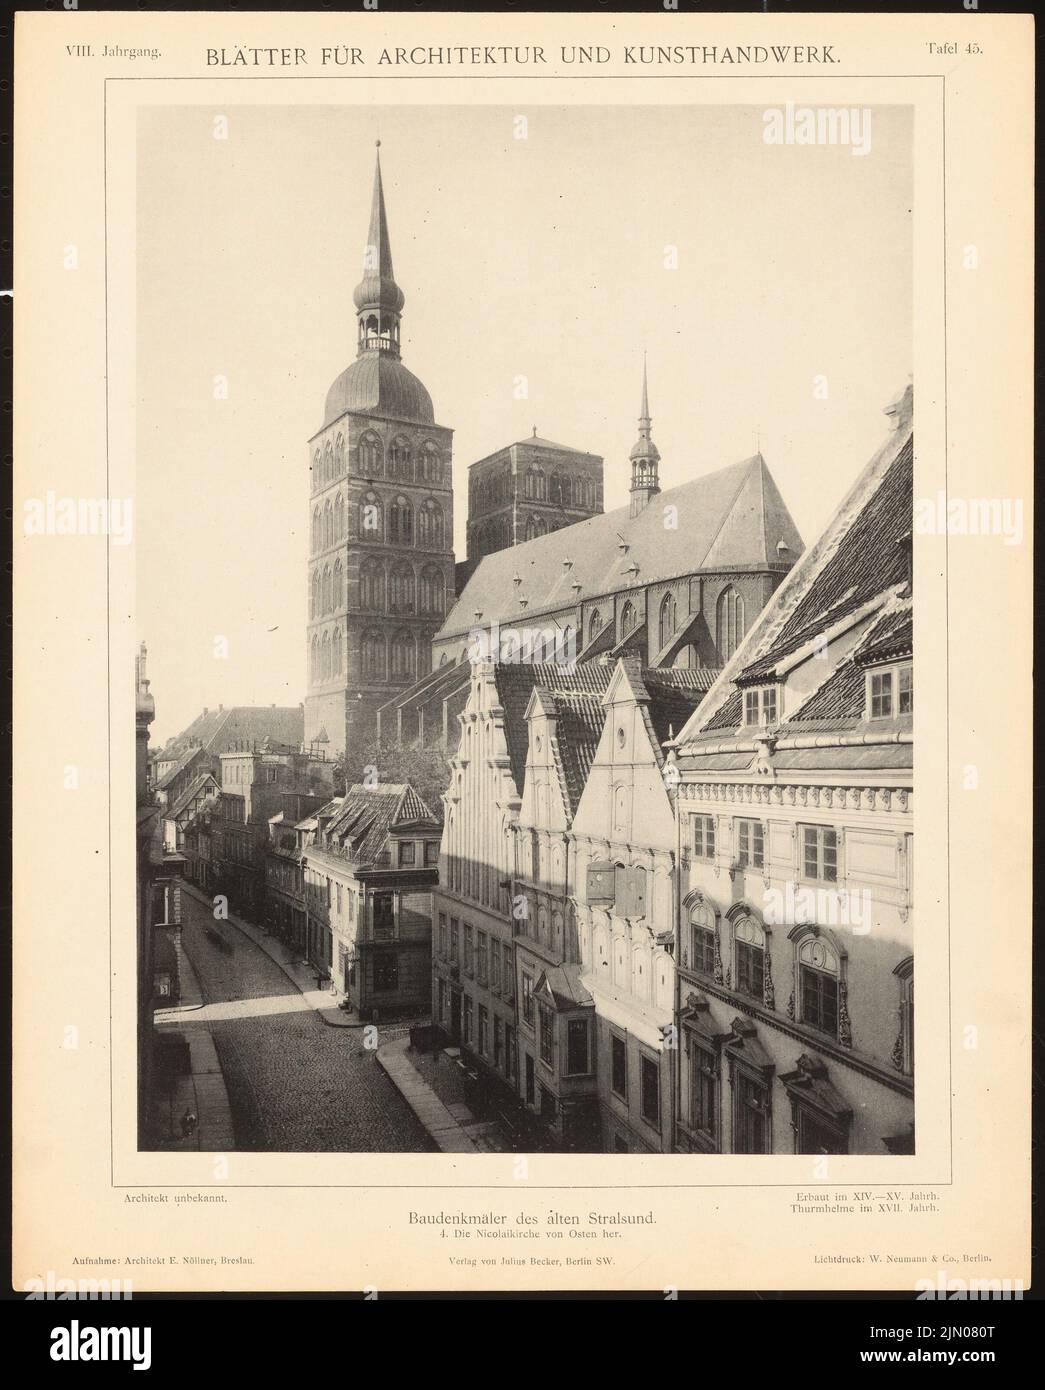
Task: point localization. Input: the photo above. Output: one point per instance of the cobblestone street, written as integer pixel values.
(294, 1083)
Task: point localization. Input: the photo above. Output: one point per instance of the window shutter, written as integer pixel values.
(600, 883)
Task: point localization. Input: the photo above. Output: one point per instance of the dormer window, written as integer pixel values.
(760, 705)
(890, 691)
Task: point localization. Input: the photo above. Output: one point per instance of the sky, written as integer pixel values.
(749, 273)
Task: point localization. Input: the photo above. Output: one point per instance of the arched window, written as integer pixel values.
(337, 592)
(430, 525)
(667, 619)
(401, 589)
(431, 467)
(370, 456)
(339, 518)
(313, 605)
(317, 471)
(729, 624)
(372, 586)
(567, 645)
(819, 987)
(400, 522)
(399, 463)
(443, 660)
(313, 664)
(373, 656)
(328, 524)
(326, 595)
(316, 530)
(701, 951)
(403, 652)
(337, 651)
(534, 528)
(324, 661)
(594, 625)
(749, 957)
(328, 464)
(559, 490)
(628, 618)
(432, 591)
(339, 456)
(687, 658)
(370, 517)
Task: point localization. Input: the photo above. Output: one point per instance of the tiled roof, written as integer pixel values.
(869, 559)
(891, 636)
(515, 685)
(578, 728)
(185, 759)
(190, 792)
(732, 517)
(219, 731)
(858, 570)
(367, 814)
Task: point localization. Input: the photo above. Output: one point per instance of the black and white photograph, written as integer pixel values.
(526, 739)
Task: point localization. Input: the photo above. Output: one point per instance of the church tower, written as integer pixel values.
(381, 566)
(645, 456)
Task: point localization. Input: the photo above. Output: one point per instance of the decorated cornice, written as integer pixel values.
(800, 794)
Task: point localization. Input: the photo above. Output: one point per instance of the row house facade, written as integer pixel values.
(795, 817)
(625, 889)
(369, 866)
(473, 957)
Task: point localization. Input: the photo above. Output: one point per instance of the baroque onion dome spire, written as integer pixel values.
(645, 456)
(377, 382)
(378, 299)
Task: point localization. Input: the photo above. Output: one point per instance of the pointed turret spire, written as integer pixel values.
(379, 300)
(645, 456)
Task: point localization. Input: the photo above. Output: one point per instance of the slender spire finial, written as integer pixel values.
(644, 416)
(378, 299)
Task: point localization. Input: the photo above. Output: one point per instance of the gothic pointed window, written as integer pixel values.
(339, 518)
(316, 530)
(401, 522)
(594, 625)
(317, 471)
(328, 525)
(324, 662)
(432, 593)
(337, 594)
(326, 599)
(372, 586)
(430, 525)
(313, 665)
(628, 618)
(370, 456)
(328, 464)
(668, 619)
(337, 651)
(373, 656)
(370, 517)
(401, 589)
(313, 607)
(729, 625)
(399, 461)
(403, 653)
(339, 456)
(431, 468)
